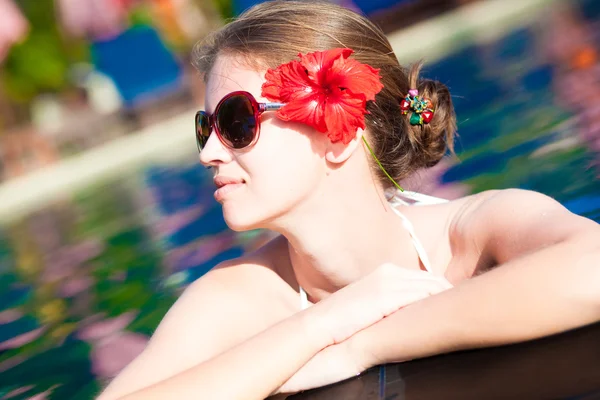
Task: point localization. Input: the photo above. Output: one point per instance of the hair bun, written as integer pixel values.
(432, 139)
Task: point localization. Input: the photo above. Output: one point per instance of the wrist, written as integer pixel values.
(315, 328)
(360, 350)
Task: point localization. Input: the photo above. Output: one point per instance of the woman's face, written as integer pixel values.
(278, 174)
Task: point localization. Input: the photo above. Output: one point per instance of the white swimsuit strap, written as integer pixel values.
(396, 197)
(416, 242)
(303, 299)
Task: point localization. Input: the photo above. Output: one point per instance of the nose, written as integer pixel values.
(214, 152)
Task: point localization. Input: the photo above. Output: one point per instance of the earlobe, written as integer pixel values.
(339, 152)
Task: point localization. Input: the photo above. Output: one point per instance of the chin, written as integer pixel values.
(240, 221)
(240, 218)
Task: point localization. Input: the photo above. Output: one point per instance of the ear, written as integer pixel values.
(339, 152)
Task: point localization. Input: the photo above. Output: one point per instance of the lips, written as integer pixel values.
(221, 181)
(225, 185)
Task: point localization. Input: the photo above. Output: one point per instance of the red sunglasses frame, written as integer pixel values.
(258, 109)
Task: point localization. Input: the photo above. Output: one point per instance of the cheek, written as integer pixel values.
(284, 169)
(286, 160)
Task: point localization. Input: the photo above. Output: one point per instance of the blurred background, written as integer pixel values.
(106, 215)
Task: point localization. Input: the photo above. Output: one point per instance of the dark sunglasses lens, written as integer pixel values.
(202, 130)
(236, 122)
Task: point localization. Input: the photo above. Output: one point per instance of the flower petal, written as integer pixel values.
(344, 115)
(285, 81)
(308, 109)
(319, 62)
(355, 77)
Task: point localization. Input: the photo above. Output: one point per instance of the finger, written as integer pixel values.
(408, 297)
(446, 283)
(393, 272)
(423, 283)
(393, 269)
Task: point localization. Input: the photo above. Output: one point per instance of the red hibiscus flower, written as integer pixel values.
(325, 90)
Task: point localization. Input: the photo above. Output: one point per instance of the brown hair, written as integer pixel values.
(274, 32)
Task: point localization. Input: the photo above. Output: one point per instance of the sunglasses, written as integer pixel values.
(236, 121)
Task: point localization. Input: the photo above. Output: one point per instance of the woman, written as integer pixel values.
(361, 273)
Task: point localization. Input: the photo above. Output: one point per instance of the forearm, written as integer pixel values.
(259, 365)
(543, 293)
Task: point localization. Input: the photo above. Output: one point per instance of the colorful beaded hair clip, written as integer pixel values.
(421, 107)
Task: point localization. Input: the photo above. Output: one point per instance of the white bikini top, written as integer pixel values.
(395, 198)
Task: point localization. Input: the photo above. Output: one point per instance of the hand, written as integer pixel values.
(384, 291)
(372, 298)
(332, 364)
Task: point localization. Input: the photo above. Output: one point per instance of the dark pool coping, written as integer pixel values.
(565, 366)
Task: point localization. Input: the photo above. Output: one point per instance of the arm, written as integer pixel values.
(290, 344)
(547, 281)
(215, 313)
(264, 362)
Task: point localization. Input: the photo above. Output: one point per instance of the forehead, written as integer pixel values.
(230, 74)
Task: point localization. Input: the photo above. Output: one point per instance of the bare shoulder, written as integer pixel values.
(500, 225)
(266, 270)
(235, 300)
(516, 208)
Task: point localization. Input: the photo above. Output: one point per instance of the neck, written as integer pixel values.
(336, 241)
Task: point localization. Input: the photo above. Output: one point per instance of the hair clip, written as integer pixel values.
(421, 107)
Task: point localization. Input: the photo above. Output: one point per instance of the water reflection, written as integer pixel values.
(84, 282)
